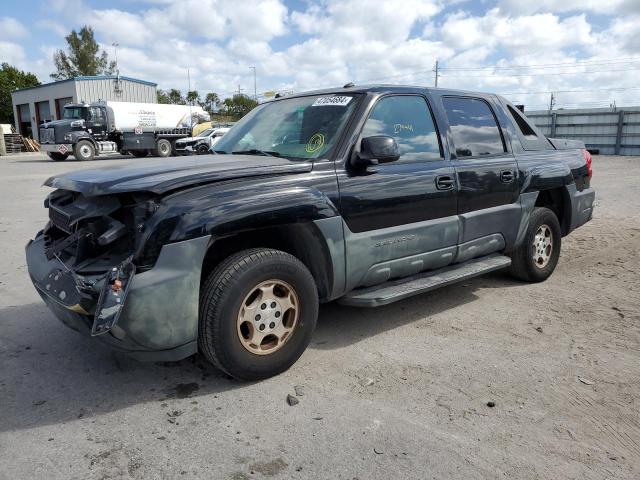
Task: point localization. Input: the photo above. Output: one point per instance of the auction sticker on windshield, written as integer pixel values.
(340, 100)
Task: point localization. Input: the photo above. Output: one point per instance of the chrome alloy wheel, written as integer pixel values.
(542, 246)
(268, 316)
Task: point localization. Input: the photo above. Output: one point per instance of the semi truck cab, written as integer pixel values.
(84, 131)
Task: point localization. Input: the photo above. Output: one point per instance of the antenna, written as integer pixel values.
(116, 83)
(435, 70)
(189, 90)
(255, 88)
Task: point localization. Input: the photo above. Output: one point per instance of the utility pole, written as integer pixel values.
(115, 46)
(552, 102)
(436, 70)
(188, 90)
(255, 88)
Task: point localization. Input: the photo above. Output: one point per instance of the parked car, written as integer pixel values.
(201, 143)
(366, 195)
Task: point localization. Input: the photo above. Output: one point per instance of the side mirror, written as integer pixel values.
(376, 149)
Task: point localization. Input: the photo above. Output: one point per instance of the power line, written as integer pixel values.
(603, 104)
(620, 89)
(548, 65)
(541, 74)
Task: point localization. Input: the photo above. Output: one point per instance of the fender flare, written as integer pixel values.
(304, 213)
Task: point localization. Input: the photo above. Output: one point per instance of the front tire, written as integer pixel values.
(163, 148)
(57, 156)
(84, 150)
(258, 311)
(202, 149)
(535, 259)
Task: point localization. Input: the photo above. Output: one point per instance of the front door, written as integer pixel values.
(487, 172)
(98, 123)
(400, 217)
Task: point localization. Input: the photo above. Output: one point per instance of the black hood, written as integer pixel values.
(160, 176)
(66, 122)
(60, 127)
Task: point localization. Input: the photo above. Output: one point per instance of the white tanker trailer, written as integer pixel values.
(87, 130)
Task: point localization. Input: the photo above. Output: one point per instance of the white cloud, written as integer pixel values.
(12, 53)
(118, 26)
(523, 34)
(331, 42)
(622, 36)
(51, 26)
(11, 29)
(520, 7)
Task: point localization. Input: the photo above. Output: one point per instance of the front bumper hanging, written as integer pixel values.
(152, 315)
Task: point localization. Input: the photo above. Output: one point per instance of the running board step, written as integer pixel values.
(400, 289)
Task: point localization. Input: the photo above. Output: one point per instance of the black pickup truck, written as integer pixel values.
(364, 195)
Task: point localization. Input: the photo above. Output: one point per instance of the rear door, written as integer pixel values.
(400, 217)
(488, 196)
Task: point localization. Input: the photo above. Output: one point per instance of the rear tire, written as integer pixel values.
(163, 148)
(258, 311)
(57, 157)
(84, 150)
(535, 259)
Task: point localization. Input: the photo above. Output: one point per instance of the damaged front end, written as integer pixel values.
(84, 259)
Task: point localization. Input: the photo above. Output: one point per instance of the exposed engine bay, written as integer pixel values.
(93, 240)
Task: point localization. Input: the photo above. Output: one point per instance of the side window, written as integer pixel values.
(407, 119)
(96, 115)
(473, 126)
(522, 124)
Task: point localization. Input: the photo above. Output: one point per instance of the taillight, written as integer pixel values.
(587, 158)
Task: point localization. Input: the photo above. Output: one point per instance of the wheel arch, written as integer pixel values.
(303, 240)
(559, 202)
(87, 137)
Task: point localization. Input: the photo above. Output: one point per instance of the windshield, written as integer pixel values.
(205, 133)
(298, 128)
(74, 113)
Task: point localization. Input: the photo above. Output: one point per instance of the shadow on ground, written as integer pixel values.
(340, 326)
(51, 374)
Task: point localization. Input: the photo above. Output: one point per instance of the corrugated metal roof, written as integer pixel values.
(96, 77)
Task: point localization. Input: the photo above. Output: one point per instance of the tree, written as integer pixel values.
(12, 79)
(175, 97)
(82, 58)
(211, 102)
(193, 97)
(163, 96)
(238, 106)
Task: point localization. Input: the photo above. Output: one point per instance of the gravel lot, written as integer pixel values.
(395, 392)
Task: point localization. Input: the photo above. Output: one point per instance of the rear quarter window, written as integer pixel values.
(473, 126)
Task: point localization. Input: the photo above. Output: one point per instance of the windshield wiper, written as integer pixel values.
(255, 151)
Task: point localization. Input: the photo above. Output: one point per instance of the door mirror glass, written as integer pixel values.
(377, 149)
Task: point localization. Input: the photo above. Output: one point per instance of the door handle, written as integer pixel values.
(444, 182)
(506, 176)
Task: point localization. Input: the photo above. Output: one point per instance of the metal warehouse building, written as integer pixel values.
(36, 105)
(610, 131)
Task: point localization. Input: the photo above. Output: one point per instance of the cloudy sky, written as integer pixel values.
(586, 51)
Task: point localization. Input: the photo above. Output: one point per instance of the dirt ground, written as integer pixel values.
(395, 392)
